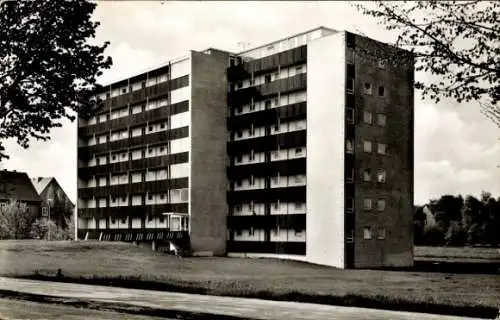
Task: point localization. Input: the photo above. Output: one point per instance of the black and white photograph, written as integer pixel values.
(258, 160)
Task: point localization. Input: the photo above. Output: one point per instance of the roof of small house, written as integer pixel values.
(17, 185)
(40, 183)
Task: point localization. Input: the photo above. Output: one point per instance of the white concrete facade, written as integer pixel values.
(325, 150)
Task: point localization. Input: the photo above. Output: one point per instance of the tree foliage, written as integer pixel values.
(48, 68)
(15, 220)
(459, 221)
(457, 41)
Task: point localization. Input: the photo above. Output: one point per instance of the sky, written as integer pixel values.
(456, 148)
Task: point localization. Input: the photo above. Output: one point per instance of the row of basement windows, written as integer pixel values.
(276, 102)
(176, 121)
(179, 170)
(173, 147)
(176, 96)
(276, 155)
(248, 209)
(279, 127)
(367, 146)
(269, 77)
(367, 118)
(368, 204)
(276, 182)
(176, 196)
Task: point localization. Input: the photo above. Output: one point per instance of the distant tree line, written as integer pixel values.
(457, 221)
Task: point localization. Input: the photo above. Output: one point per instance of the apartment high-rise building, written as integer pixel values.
(301, 149)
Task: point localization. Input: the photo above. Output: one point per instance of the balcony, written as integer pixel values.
(259, 66)
(287, 167)
(267, 222)
(134, 119)
(286, 194)
(268, 117)
(133, 142)
(139, 164)
(133, 188)
(268, 143)
(287, 85)
(133, 211)
(298, 248)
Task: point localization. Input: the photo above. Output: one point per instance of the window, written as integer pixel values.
(239, 134)
(237, 208)
(350, 85)
(124, 90)
(381, 233)
(367, 117)
(267, 104)
(108, 95)
(350, 71)
(124, 198)
(349, 146)
(162, 126)
(124, 220)
(124, 155)
(162, 149)
(239, 109)
(367, 88)
(150, 128)
(298, 150)
(381, 176)
(349, 204)
(382, 148)
(113, 221)
(367, 233)
(150, 197)
(238, 232)
(367, 204)
(366, 175)
(150, 218)
(277, 205)
(239, 159)
(239, 85)
(143, 84)
(130, 89)
(350, 115)
(238, 183)
(162, 196)
(367, 146)
(380, 204)
(113, 157)
(381, 91)
(298, 69)
(267, 78)
(381, 120)
(162, 219)
(350, 176)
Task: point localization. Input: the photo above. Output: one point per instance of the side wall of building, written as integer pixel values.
(208, 153)
(395, 249)
(325, 150)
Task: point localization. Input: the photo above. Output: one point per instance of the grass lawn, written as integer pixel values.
(246, 277)
(466, 254)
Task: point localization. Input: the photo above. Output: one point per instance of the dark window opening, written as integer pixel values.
(239, 85)
(350, 115)
(162, 126)
(350, 71)
(124, 90)
(267, 104)
(381, 91)
(130, 89)
(150, 197)
(239, 134)
(143, 84)
(298, 150)
(267, 78)
(350, 85)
